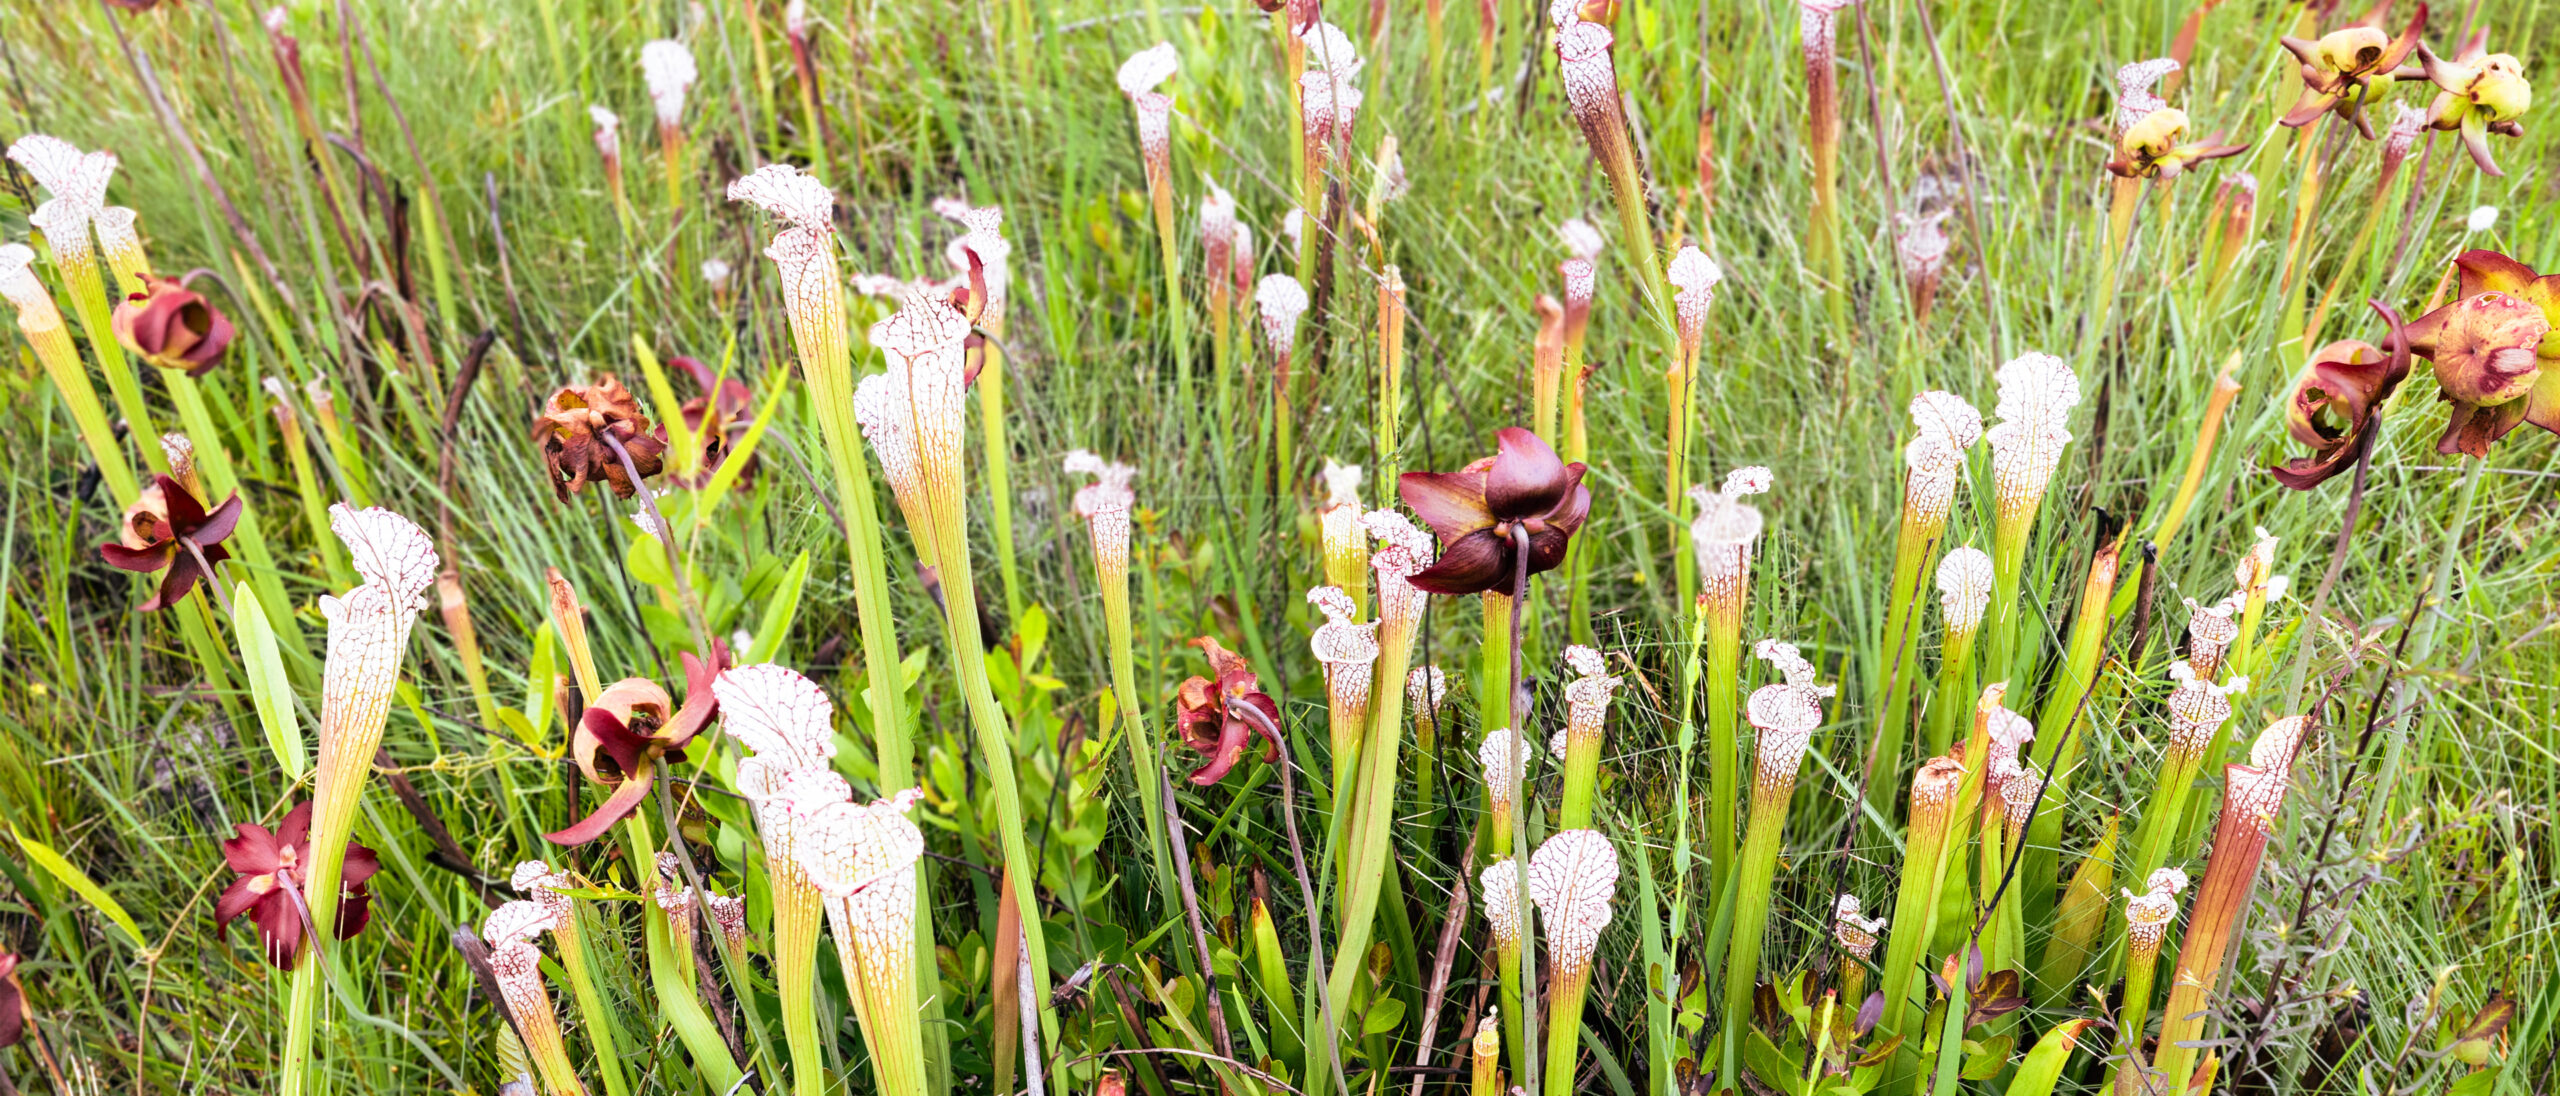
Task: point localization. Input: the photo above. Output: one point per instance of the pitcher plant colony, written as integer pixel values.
(1279, 548)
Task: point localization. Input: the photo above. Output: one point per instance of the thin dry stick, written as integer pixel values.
(1442, 958)
(1964, 155)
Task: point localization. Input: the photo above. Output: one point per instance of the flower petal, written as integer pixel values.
(1477, 562)
(1527, 479)
(216, 526)
(1451, 503)
(355, 910)
(279, 928)
(2484, 270)
(251, 853)
(625, 799)
(181, 577)
(235, 900)
(140, 560)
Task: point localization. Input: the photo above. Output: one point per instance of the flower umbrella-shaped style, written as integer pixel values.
(2492, 357)
(632, 727)
(1479, 512)
(2156, 147)
(2481, 93)
(273, 867)
(2346, 69)
(1209, 721)
(168, 530)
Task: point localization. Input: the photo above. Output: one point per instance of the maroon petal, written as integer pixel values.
(182, 576)
(1569, 514)
(628, 750)
(279, 928)
(626, 798)
(1232, 737)
(355, 911)
(185, 512)
(140, 560)
(251, 853)
(1262, 702)
(1478, 562)
(235, 900)
(1546, 551)
(215, 527)
(1527, 479)
(700, 704)
(358, 867)
(1451, 503)
(2484, 270)
(13, 1012)
(295, 829)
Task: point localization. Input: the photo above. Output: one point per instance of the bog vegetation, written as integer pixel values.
(1922, 546)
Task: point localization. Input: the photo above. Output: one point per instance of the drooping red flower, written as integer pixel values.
(271, 866)
(2492, 352)
(1209, 719)
(1476, 509)
(2335, 401)
(159, 526)
(632, 727)
(172, 327)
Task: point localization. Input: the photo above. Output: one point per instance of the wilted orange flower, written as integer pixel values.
(572, 429)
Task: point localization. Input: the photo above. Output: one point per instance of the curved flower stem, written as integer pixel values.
(1306, 889)
(1528, 1052)
(665, 536)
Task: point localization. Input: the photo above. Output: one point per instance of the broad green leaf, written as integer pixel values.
(2042, 1067)
(1386, 1017)
(537, 690)
(79, 881)
(271, 693)
(646, 559)
(662, 397)
(778, 612)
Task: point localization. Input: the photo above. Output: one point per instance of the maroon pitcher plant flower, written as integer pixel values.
(629, 730)
(172, 327)
(2335, 401)
(2493, 357)
(1211, 719)
(572, 429)
(716, 416)
(272, 866)
(1476, 510)
(167, 530)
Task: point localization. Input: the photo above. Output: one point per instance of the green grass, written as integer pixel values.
(117, 751)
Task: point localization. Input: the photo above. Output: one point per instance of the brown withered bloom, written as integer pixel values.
(1208, 719)
(2335, 401)
(1476, 509)
(272, 866)
(173, 327)
(2493, 358)
(572, 429)
(717, 415)
(159, 529)
(2346, 69)
(629, 729)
